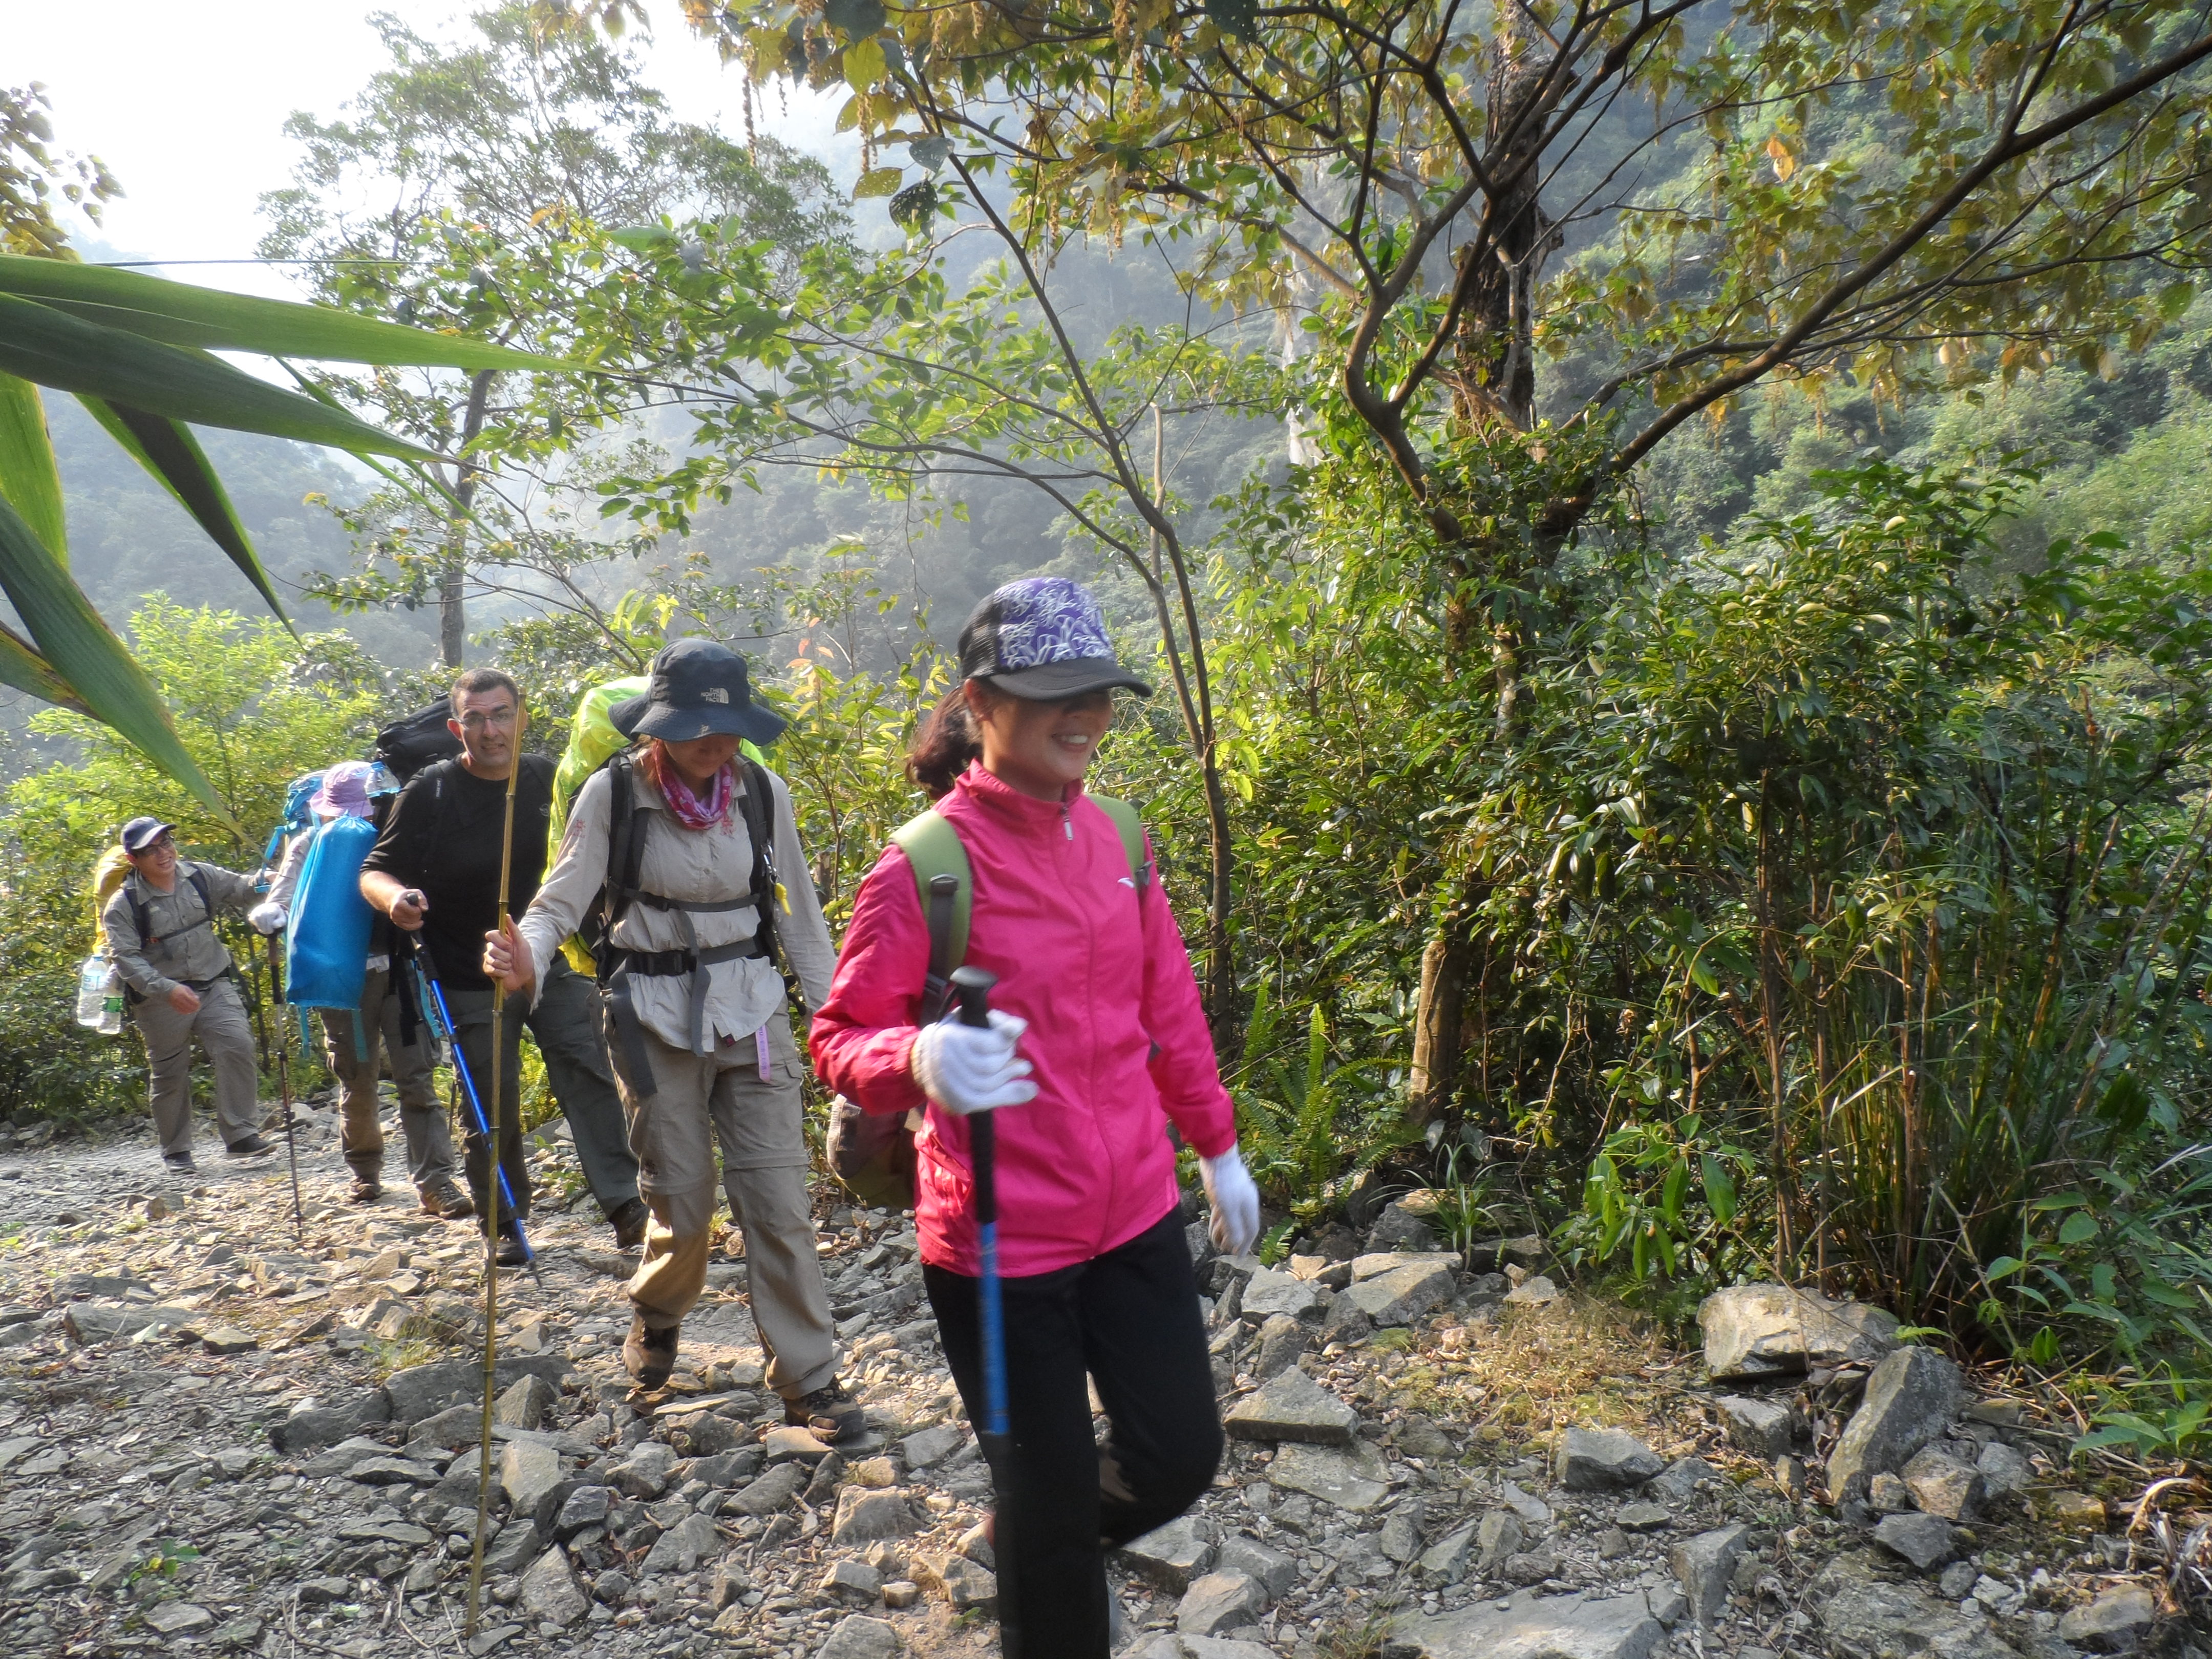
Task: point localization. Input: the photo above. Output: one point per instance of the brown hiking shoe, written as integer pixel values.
(365, 1189)
(831, 1411)
(447, 1203)
(649, 1355)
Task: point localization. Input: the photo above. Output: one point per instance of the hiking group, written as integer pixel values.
(1011, 1028)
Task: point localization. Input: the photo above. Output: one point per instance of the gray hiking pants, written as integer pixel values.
(355, 1047)
(226, 1036)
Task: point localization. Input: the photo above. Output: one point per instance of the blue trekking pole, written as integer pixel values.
(442, 1027)
(973, 986)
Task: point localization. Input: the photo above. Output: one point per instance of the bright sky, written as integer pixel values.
(187, 102)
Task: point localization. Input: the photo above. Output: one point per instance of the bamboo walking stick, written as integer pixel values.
(498, 1127)
(285, 1084)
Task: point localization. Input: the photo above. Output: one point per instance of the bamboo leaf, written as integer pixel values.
(180, 314)
(28, 476)
(22, 667)
(52, 348)
(81, 649)
(168, 451)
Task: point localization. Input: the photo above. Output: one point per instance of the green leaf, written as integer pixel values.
(178, 313)
(83, 651)
(28, 477)
(52, 348)
(877, 181)
(2079, 1229)
(864, 64)
(2004, 1267)
(1720, 1189)
(22, 667)
(168, 451)
(1236, 17)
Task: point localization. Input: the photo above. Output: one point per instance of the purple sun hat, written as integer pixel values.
(344, 790)
(1042, 638)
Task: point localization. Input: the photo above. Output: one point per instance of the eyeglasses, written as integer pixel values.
(496, 720)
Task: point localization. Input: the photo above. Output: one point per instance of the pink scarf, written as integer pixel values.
(690, 812)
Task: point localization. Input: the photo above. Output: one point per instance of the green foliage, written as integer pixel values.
(1309, 1126)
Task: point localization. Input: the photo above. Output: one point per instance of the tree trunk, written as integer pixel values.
(452, 620)
(1437, 1026)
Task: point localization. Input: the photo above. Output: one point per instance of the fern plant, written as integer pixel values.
(1311, 1125)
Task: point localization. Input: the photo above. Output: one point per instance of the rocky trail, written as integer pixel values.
(216, 1436)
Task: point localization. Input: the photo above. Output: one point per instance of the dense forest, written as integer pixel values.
(1682, 617)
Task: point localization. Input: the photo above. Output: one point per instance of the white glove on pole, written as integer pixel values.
(265, 918)
(972, 1068)
(1235, 1202)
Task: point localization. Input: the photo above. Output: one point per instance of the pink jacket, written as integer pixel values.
(1115, 1032)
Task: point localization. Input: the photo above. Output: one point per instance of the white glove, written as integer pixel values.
(265, 918)
(1235, 1202)
(972, 1068)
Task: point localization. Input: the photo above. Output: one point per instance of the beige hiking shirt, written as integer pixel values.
(711, 864)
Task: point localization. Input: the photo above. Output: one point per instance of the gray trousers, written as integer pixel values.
(565, 1022)
(354, 1052)
(759, 1121)
(226, 1036)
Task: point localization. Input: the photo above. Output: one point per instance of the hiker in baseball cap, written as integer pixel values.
(1042, 638)
(140, 834)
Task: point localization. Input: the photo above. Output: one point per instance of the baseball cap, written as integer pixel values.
(1042, 638)
(140, 834)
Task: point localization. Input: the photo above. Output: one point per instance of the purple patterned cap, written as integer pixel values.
(1042, 638)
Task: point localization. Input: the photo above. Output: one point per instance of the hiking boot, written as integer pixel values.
(630, 1222)
(180, 1161)
(251, 1146)
(447, 1203)
(830, 1412)
(365, 1189)
(649, 1355)
(511, 1252)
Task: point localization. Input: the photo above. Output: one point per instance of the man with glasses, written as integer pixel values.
(436, 867)
(180, 983)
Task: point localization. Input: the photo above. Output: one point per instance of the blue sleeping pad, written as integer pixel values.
(326, 937)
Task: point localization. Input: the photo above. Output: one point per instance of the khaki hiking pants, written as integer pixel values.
(226, 1036)
(354, 1046)
(702, 1099)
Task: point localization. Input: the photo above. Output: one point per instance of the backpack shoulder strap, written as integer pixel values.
(625, 845)
(946, 888)
(757, 804)
(198, 876)
(1131, 828)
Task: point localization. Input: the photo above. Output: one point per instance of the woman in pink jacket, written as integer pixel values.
(1096, 1044)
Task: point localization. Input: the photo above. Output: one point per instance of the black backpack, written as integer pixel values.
(415, 741)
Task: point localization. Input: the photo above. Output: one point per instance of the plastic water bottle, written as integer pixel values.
(92, 988)
(110, 1007)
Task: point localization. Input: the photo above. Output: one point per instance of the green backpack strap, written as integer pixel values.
(1131, 828)
(947, 892)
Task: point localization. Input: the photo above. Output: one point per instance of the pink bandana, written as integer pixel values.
(690, 812)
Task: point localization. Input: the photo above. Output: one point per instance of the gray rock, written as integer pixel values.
(178, 1619)
(1353, 1479)
(1910, 1397)
(1292, 1406)
(2113, 1622)
(1268, 1292)
(89, 1322)
(963, 1583)
(1220, 1602)
(551, 1592)
(864, 1516)
(450, 1428)
(586, 1506)
(1169, 1557)
(1399, 1540)
(1768, 1330)
(1604, 1460)
(325, 1589)
(514, 1550)
(311, 1426)
(1168, 1645)
(730, 1468)
(1404, 1225)
(682, 1547)
(1956, 1581)
(393, 1472)
(772, 1492)
(340, 1458)
(524, 1403)
(1678, 1482)
(1765, 1428)
(1941, 1484)
(859, 1637)
(1926, 1541)
(1445, 1562)
(1402, 1295)
(1282, 1340)
(528, 1474)
(1879, 1621)
(1534, 1291)
(1888, 1495)
(1705, 1566)
(1531, 1566)
(975, 1544)
(1498, 1534)
(1532, 1511)
(646, 1471)
(1579, 1626)
(2003, 1469)
(1276, 1572)
(419, 1390)
(1644, 1518)
(851, 1581)
(932, 1445)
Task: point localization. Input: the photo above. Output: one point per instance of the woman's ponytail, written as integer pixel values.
(943, 745)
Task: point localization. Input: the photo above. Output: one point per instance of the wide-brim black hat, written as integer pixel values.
(699, 689)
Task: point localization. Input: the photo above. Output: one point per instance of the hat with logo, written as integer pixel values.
(698, 689)
(140, 834)
(1042, 638)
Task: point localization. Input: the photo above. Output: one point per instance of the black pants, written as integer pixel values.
(473, 1027)
(1129, 1320)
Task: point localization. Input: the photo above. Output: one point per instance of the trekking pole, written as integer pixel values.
(284, 1087)
(431, 998)
(974, 985)
(491, 1224)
